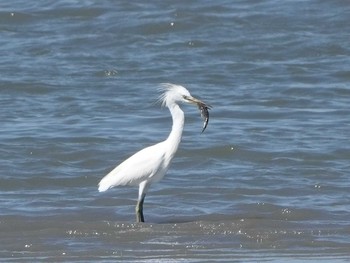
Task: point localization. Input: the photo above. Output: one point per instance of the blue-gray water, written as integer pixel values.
(267, 181)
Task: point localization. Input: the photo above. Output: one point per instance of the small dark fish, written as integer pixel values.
(204, 113)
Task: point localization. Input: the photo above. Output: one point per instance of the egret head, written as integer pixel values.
(175, 93)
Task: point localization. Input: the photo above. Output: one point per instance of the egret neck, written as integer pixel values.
(174, 137)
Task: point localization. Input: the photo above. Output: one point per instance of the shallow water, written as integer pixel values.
(267, 181)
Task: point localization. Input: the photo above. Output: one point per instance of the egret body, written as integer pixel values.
(150, 164)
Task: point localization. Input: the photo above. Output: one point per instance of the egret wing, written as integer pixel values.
(139, 167)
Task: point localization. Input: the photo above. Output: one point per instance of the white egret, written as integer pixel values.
(150, 164)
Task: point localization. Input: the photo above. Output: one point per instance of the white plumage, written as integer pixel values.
(150, 164)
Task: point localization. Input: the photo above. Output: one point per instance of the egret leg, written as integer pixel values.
(143, 187)
(139, 209)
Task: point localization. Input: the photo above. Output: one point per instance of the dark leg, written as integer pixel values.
(139, 209)
(143, 187)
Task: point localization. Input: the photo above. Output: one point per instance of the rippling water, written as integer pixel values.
(267, 181)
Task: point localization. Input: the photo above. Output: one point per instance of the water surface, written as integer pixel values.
(267, 181)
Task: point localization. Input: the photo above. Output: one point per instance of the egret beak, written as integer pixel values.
(203, 107)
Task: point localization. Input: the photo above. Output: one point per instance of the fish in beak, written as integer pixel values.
(204, 109)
